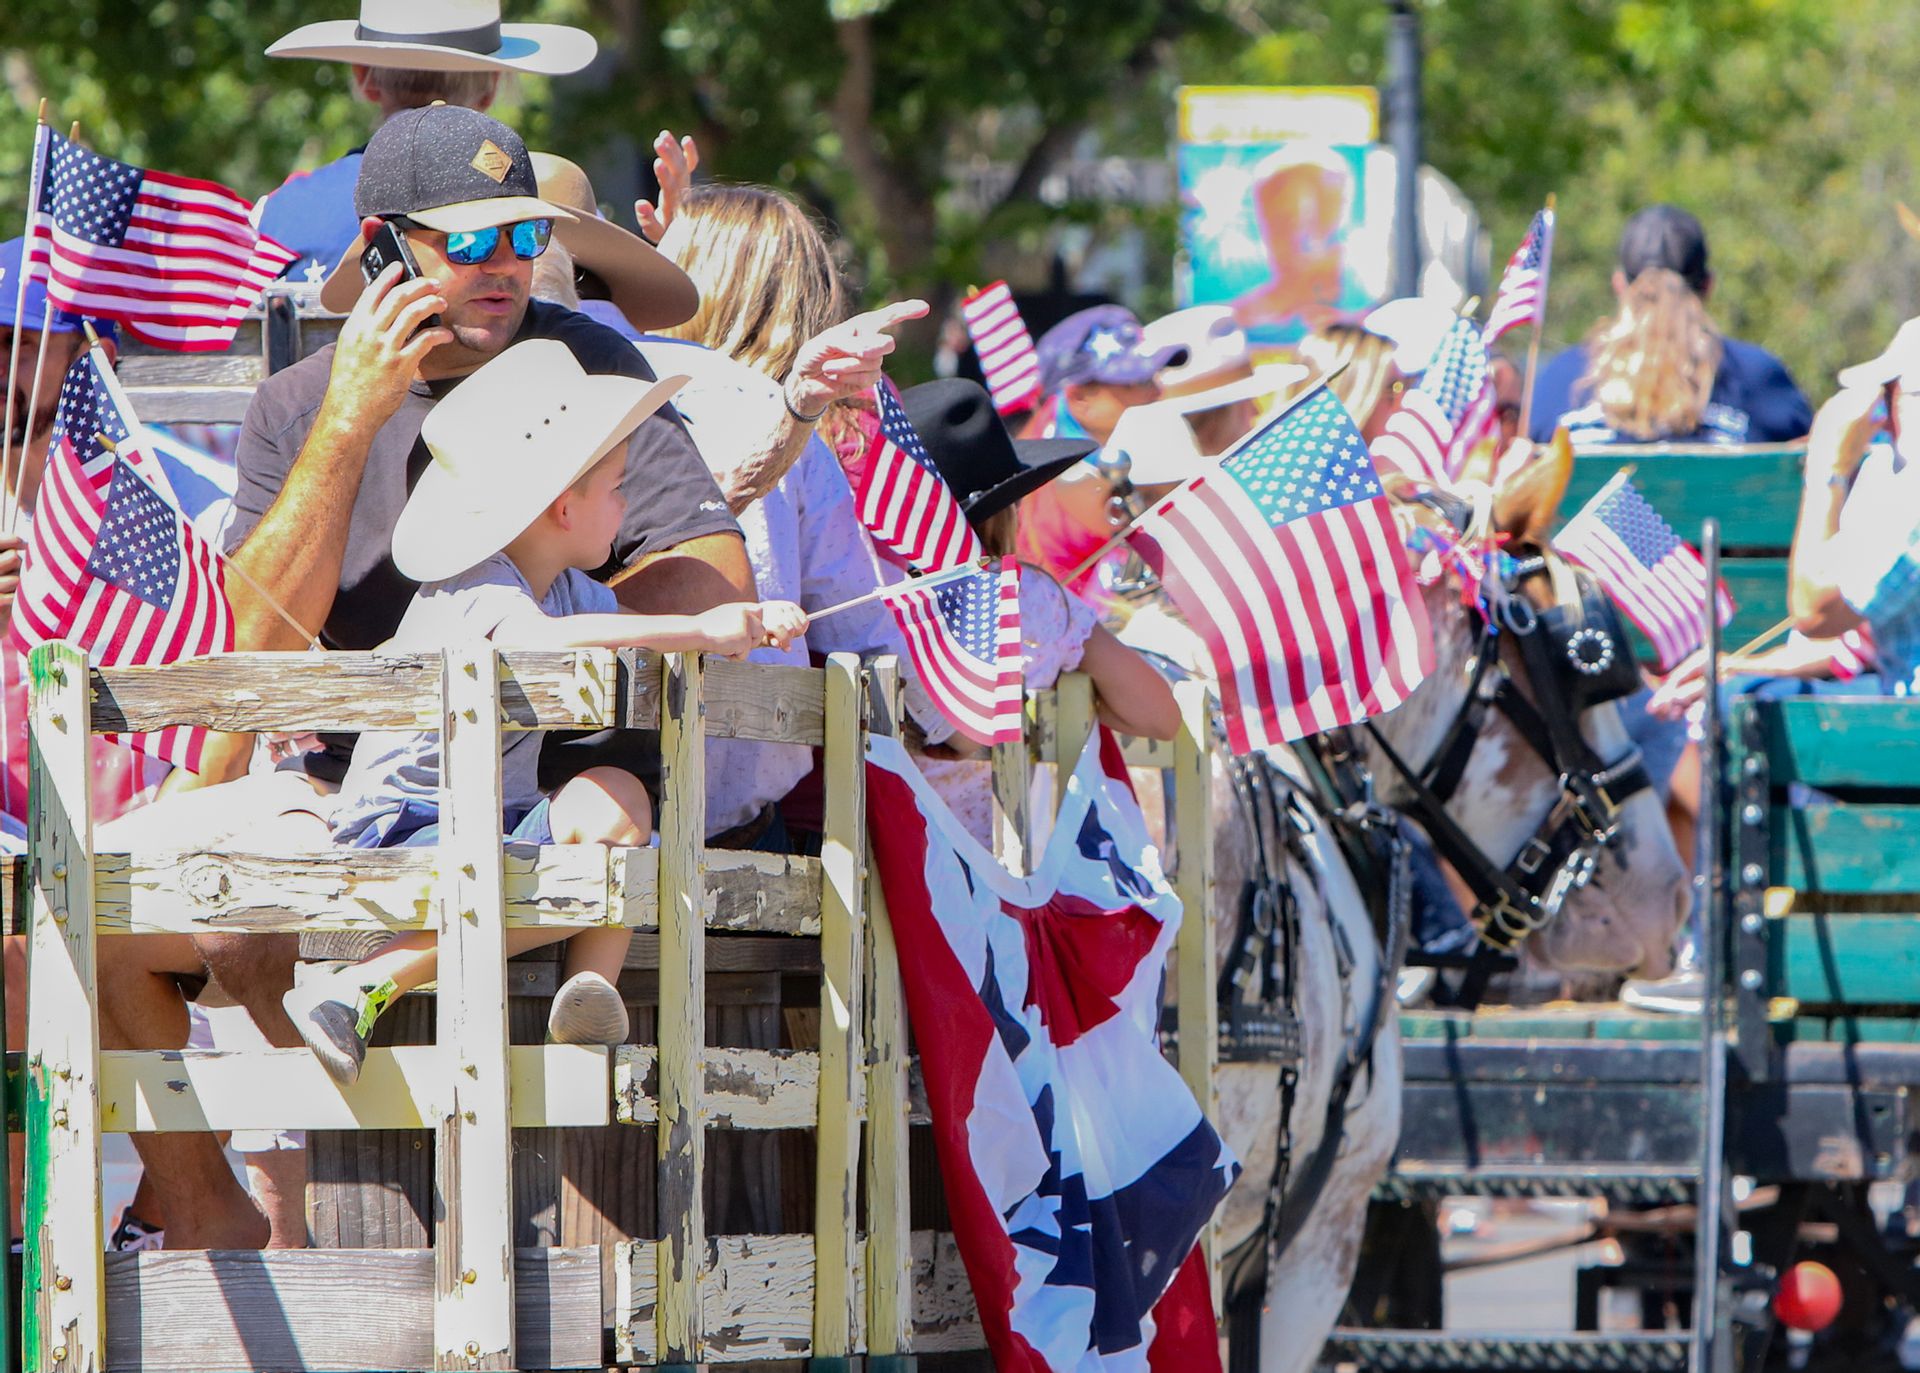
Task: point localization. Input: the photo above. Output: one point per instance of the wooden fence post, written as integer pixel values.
(1073, 725)
(889, 1221)
(1193, 882)
(683, 1010)
(64, 1325)
(843, 905)
(473, 1165)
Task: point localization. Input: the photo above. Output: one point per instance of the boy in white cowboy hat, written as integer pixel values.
(521, 499)
(404, 55)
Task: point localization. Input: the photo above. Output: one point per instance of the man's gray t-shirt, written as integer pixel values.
(671, 497)
(490, 601)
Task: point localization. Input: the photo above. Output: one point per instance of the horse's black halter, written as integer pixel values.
(1574, 655)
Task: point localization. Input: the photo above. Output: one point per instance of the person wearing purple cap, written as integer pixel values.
(1094, 366)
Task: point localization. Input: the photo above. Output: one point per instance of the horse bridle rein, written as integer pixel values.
(1575, 655)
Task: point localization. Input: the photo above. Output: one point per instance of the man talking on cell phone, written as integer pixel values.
(331, 446)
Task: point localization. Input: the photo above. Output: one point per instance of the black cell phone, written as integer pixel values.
(390, 245)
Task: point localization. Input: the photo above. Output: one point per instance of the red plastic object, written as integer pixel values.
(1809, 1297)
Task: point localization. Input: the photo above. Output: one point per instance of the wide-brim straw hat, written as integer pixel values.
(647, 286)
(1216, 349)
(440, 35)
(506, 442)
(1160, 443)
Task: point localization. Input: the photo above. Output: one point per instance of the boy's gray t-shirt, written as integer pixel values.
(489, 601)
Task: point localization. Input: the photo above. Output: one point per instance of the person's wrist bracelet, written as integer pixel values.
(786, 398)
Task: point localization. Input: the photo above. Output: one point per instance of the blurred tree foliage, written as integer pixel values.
(1775, 120)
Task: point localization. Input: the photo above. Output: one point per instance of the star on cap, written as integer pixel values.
(1104, 344)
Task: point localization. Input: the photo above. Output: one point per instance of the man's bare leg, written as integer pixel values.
(141, 1008)
(278, 1178)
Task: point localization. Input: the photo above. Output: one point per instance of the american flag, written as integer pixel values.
(1523, 286)
(1441, 419)
(174, 259)
(1004, 347)
(112, 565)
(1654, 575)
(964, 639)
(904, 502)
(1287, 560)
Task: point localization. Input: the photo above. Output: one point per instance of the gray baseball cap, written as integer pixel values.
(450, 168)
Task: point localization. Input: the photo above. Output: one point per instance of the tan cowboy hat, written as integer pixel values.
(505, 443)
(646, 286)
(440, 35)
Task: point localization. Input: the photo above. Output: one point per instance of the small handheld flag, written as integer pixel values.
(903, 500)
(1448, 412)
(1523, 286)
(1287, 561)
(112, 564)
(175, 259)
(1005, 348)
(964, 638)
(1656, 577)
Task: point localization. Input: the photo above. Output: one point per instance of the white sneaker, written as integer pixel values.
(1415, 984)
(1681, 993)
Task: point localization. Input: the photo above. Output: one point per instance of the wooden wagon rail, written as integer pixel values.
(860, 1282)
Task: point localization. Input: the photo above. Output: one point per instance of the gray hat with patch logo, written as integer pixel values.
(446, 167)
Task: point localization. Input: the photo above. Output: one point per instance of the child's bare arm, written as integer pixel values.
(734, 630)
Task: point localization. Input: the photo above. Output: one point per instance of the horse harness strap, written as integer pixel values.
(1526, 894)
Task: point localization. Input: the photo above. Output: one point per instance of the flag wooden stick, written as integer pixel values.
(10, 518)
(1760, 641)
(1127, 528)
(1539, 324)
(19, 308)
(951, 574)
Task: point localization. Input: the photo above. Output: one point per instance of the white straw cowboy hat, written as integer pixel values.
(1216, 348)
(505, 443)
(1899, 362)
(647, 286)
(1160, 444)
(440, 35)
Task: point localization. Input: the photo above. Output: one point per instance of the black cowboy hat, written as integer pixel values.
(986, 468)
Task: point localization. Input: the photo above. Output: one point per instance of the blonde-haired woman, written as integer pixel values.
(1659, 368)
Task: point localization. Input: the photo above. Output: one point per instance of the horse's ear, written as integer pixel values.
(1527, 504)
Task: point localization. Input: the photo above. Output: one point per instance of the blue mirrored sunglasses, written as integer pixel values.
(529, 237)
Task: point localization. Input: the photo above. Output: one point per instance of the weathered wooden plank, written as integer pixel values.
(390, 890)
(889, 1275)
(1193, 945)
(682, 1013)
(1835, 743)
(1845, 849)
(760, 701)
(406, 1087)
(754, 1299)
(137, 371)
(842, 1083)
(473, 1148)
(191, 404)
(1012, 785)
(64, 1325)
(945, 1319)
(1043, 729)
(329, 1309)
(1859, 960)
(253, 692)
(743, 1089)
